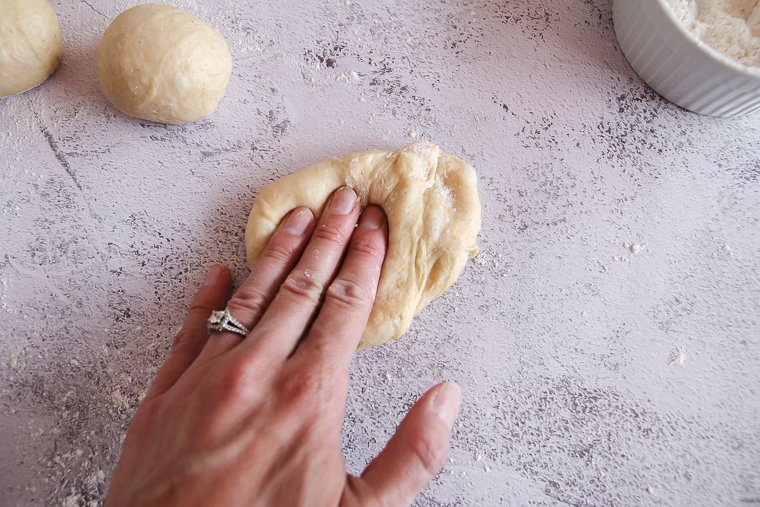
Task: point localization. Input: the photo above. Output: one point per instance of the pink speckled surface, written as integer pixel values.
(562, 338)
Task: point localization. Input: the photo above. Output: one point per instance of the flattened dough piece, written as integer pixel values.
(431, 201)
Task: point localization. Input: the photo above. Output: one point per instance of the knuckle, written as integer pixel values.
(350, 293)
(428, 452)
(224, 392)
(302, 283)
(332, 233)
(306, 386)
(368, 245)
(321, 347)
(280, 252)
(247, 301)
(200, 305)
(181, 340)
(200, 302)
(235, 379)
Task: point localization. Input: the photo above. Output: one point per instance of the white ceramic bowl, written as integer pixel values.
(679, 66)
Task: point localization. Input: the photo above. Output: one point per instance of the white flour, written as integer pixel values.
(729, 26)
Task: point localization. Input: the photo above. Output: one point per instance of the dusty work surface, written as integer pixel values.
(607, 340)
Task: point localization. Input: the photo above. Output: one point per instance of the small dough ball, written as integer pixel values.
(31, 47)
(433, 209)
(162, 64)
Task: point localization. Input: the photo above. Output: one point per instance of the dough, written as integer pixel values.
(31, 48)
(162, 64)
(431, 201)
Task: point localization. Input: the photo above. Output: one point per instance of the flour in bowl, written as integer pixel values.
(729, 26)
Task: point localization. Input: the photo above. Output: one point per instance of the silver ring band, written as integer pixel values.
(221, 321)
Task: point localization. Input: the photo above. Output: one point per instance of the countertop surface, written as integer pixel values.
(607, 339)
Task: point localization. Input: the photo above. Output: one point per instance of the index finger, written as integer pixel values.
(333, 337)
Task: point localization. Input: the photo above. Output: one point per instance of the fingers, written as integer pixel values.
(415, 454)
(192, 337)
(333, 337)
(298, 299)
(255, 294)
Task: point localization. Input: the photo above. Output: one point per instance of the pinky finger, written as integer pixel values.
(193, 336)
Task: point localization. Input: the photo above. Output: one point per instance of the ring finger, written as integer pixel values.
(252, 298)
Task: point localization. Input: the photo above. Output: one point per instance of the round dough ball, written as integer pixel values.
(431, 201)
(31, 47)
(162, 64)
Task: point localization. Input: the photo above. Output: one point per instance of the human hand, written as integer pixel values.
(257, 421)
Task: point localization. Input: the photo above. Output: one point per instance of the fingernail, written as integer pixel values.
(372, 218)
(215, 273)
(446, 402)
(298, 221)
(343, 201)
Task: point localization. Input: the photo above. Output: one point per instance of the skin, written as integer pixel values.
(257, 421)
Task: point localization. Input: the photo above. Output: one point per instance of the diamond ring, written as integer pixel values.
(222, 321)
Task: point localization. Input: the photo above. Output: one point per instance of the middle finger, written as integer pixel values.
(300, 296)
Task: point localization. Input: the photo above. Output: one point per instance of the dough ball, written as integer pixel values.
(162, 64)
(31, 48)
(431, 201)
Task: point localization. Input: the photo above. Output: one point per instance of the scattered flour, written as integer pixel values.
(676, 357)
(729, 26)
(487, 259)
(348, 76)
(73, 501)
(633, 248)
(443, 190)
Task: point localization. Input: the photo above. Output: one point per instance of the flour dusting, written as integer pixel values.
(676, 357)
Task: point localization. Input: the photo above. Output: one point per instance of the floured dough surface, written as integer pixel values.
(433, 210)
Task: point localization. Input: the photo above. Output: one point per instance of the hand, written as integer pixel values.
(257, 421)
